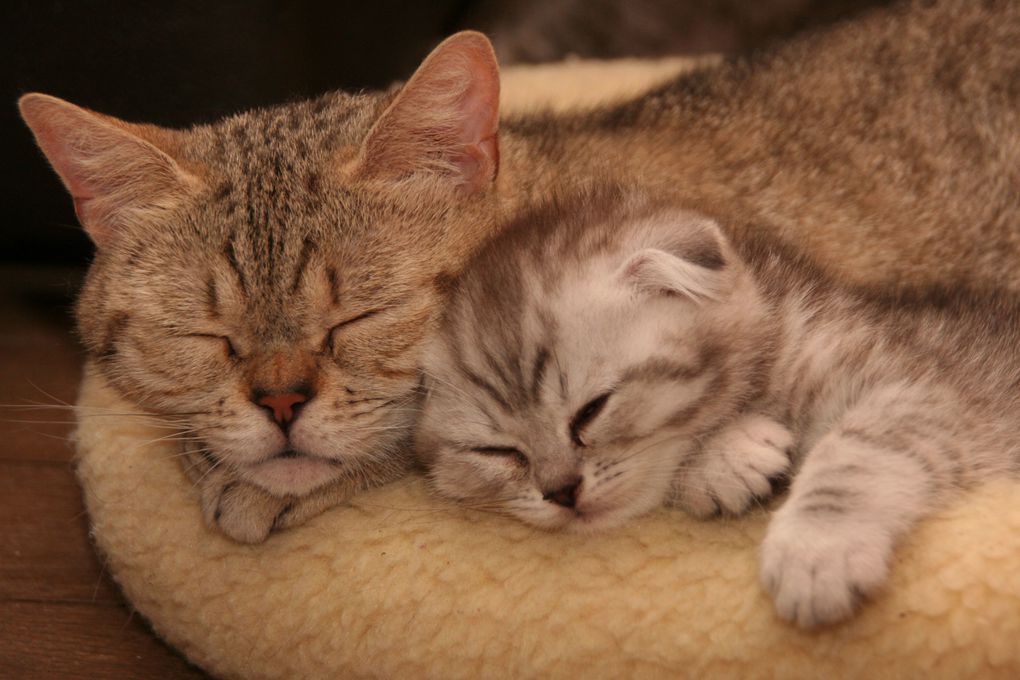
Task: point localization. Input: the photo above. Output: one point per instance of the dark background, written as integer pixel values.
(190, 61)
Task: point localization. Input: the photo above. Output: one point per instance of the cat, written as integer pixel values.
(611, 353)
(264, 280)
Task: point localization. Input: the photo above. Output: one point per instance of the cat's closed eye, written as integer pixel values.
(585, 415)
(510, 452)
(327, 343)
(228, 345)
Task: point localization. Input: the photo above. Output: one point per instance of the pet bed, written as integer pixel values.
(400, 585)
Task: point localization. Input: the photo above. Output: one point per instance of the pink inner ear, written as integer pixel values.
(56, 132)
(108, 170)
(448, 111)
(479, 161)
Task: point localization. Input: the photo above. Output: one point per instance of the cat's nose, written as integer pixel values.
(566, 495)
(283, 405)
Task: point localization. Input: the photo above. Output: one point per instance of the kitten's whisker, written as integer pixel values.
(456, 388)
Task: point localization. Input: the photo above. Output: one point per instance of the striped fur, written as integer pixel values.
(886, 149)
(883, 404)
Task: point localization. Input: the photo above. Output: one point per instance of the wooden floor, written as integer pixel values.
(61, 616)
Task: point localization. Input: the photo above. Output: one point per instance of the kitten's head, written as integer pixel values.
(268, 280)
(582, 356)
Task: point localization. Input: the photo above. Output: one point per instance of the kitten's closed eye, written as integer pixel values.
(508, 451)
(585, 415)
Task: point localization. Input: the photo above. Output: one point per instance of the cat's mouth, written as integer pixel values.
(292, 473)
(588, 518)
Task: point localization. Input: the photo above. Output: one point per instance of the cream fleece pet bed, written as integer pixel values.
(398, 585)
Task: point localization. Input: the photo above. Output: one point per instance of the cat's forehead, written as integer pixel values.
(274, 202)
(280, 154)
(302, 131)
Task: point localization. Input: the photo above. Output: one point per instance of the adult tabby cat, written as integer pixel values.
(266, 281)
(612, 353)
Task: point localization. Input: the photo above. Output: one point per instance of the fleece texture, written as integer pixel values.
(400, 585)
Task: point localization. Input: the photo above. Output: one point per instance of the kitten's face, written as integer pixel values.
(267, 281)
(567, 385)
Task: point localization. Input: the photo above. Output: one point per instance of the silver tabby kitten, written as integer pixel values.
(610, 354)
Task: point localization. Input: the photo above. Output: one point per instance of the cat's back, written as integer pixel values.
(885, 147)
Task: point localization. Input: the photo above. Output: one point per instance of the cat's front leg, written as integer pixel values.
(737, 467)
(242, 511)
(247, 513)
(830, 545)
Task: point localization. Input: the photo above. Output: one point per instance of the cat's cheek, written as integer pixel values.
(463, 476)
(644, 411)
(619, 496)
(335, 435)
(172, 380)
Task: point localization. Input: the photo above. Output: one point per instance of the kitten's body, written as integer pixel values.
(886, 150)
(611, 355)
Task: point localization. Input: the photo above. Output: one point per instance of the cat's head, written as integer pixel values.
(267, 281)
(581, 357)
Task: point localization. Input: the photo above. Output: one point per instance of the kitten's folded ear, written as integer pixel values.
(445, 120)
(114, 171)
(689, 262)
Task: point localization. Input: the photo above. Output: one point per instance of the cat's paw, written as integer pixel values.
(737, 467)
(241, 510)
(818, 572)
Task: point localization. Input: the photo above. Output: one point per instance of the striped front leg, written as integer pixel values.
(861, 487)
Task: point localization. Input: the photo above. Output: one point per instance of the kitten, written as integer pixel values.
(266, 281)
(609, 354)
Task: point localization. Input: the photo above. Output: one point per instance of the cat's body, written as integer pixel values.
(886, 150)
(890, 142)
(613, 354)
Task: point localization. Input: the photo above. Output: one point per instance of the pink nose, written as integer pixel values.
(283, 405)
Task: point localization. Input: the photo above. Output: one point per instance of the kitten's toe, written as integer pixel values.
(698, 501)
(817, 574)
(767, 433)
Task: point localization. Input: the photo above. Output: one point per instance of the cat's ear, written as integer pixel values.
(445, 120)
(114, 171)
(691, 263)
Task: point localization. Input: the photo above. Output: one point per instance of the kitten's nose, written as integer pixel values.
(565, 495)
(283, 405)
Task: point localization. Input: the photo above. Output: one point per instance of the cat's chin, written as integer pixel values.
(291, 475)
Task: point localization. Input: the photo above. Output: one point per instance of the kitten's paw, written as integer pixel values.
(737, 467)
(818, 572)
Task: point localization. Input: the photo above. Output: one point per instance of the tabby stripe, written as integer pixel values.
(299, 271)
(538, 372)
(114, 329)
(497, 369)
(831, 493)
(231, 255)
(334, 285)
(660, 369)
(822, 508)
(211, 297)
(481, 383)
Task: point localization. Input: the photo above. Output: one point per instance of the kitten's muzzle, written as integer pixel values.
(565, 495)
